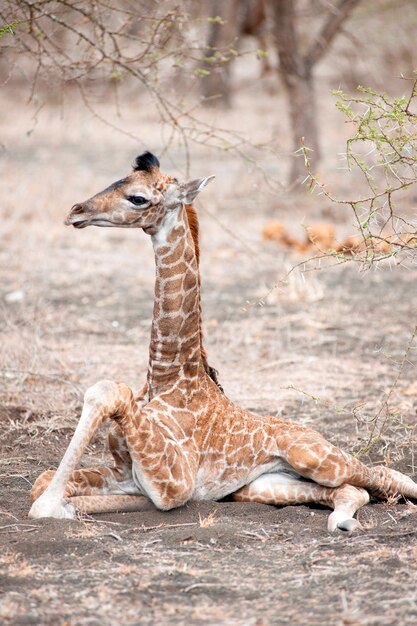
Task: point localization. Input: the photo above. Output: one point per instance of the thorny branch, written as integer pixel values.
(381, 418)
(383, 149)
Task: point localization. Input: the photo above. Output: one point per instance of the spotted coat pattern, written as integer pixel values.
(182, 438)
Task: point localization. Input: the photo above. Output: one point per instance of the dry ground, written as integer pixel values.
(323, 350)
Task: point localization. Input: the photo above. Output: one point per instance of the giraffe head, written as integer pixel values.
(143, 199)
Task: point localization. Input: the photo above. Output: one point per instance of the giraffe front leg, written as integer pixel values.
(285, 489)
(104, 400)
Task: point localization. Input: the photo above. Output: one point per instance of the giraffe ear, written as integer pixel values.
(189, 191)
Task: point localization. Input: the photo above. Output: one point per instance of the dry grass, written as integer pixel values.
(207, 522)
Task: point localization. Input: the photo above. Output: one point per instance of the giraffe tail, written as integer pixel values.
(108, 503)
(382, 481)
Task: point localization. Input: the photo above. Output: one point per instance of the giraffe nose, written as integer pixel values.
(77, 209)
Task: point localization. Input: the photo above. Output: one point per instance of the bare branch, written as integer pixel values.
(330, 29)
(286, 40)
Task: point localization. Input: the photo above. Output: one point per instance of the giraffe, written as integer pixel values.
(182, 438)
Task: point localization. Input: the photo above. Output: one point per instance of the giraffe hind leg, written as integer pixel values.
(285, 489)
(91, 481)
(95, 490)
(119, 451)
(95, 481)
(311, 456)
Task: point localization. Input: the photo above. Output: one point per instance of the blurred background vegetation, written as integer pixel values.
(189, 54)
(193, 63)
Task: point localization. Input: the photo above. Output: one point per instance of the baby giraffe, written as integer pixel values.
(183, 439)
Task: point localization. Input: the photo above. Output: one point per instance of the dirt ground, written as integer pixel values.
(324, 349)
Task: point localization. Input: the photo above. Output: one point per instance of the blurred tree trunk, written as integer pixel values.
(297, 73)
(237, 17)
(222, 35)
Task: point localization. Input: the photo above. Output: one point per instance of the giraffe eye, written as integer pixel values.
(138, 200)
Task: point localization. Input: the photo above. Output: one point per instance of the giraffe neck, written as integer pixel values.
(175, 350)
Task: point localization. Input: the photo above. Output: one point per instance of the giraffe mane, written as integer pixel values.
(194, 226)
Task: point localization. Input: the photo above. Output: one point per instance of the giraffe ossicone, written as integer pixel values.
(182, 439)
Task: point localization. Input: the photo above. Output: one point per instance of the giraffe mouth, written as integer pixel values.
(99, 222)
(81, 224)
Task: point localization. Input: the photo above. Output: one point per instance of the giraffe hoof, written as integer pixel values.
(341, 520)
(349, 525)
(45, 507)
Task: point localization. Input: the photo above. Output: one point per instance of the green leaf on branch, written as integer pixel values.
(201, 72)
(215, 20)
(8, 28)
